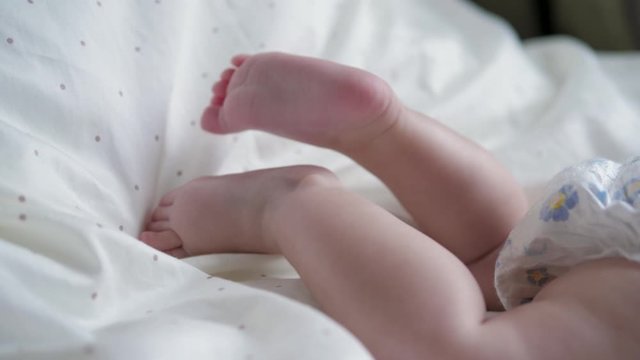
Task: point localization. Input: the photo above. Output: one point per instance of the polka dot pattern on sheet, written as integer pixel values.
(126, 129)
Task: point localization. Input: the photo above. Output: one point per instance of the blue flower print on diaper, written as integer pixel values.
(557, 206)
(539, 276)
(629, 192)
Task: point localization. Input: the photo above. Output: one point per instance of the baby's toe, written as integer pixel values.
(212, 118)
(227, 74)
(158, 226)
(220, 88)
(163, 240)
(238, 60)
(161, 213)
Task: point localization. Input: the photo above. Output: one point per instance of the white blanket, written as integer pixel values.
(99, 109)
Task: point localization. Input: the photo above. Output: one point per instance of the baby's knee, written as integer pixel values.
(311, 176)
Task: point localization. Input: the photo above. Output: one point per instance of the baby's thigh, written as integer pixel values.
(588, 313)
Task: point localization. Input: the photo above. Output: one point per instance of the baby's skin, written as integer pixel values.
(405, 292)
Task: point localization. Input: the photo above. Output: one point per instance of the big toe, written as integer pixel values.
(211, 120)
(161, 240)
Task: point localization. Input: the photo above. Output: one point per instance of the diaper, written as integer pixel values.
(589, 211)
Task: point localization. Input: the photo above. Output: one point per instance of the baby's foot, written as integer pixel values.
(305, 99)
(222, 213)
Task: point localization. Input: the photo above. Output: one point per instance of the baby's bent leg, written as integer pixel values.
(406, 297)
(400, 292)
(456, 192)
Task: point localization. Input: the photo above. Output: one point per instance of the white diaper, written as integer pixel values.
(589, 211)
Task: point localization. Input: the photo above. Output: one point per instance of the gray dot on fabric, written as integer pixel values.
(137, 49)
(36, 152)
(22, 198)
(215, 30)
(63, 87)
(157, 137)
(155, 257)
(10, 40)
(22, 217)
(121, 228)
(193, 123)
(136, 187)
(120, 93)
(98, 3)
(94, 295)
(97, 138)
(179, 173)
(82, 43)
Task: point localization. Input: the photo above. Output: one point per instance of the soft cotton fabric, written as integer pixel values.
(99, 110)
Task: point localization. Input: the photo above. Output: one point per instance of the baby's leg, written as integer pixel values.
(396, 289)
(455, 191)
(401, 293)
(588, 313)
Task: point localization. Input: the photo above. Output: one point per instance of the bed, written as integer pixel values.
(99, 110)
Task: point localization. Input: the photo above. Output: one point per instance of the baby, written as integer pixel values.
(405, 292)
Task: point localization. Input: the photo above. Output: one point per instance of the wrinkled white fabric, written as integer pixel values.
(589, 211)
(99, 109)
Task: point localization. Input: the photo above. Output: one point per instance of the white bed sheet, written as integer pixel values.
(99, 104)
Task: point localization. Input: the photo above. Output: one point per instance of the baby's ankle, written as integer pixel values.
(383, 128)
(296, 182)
